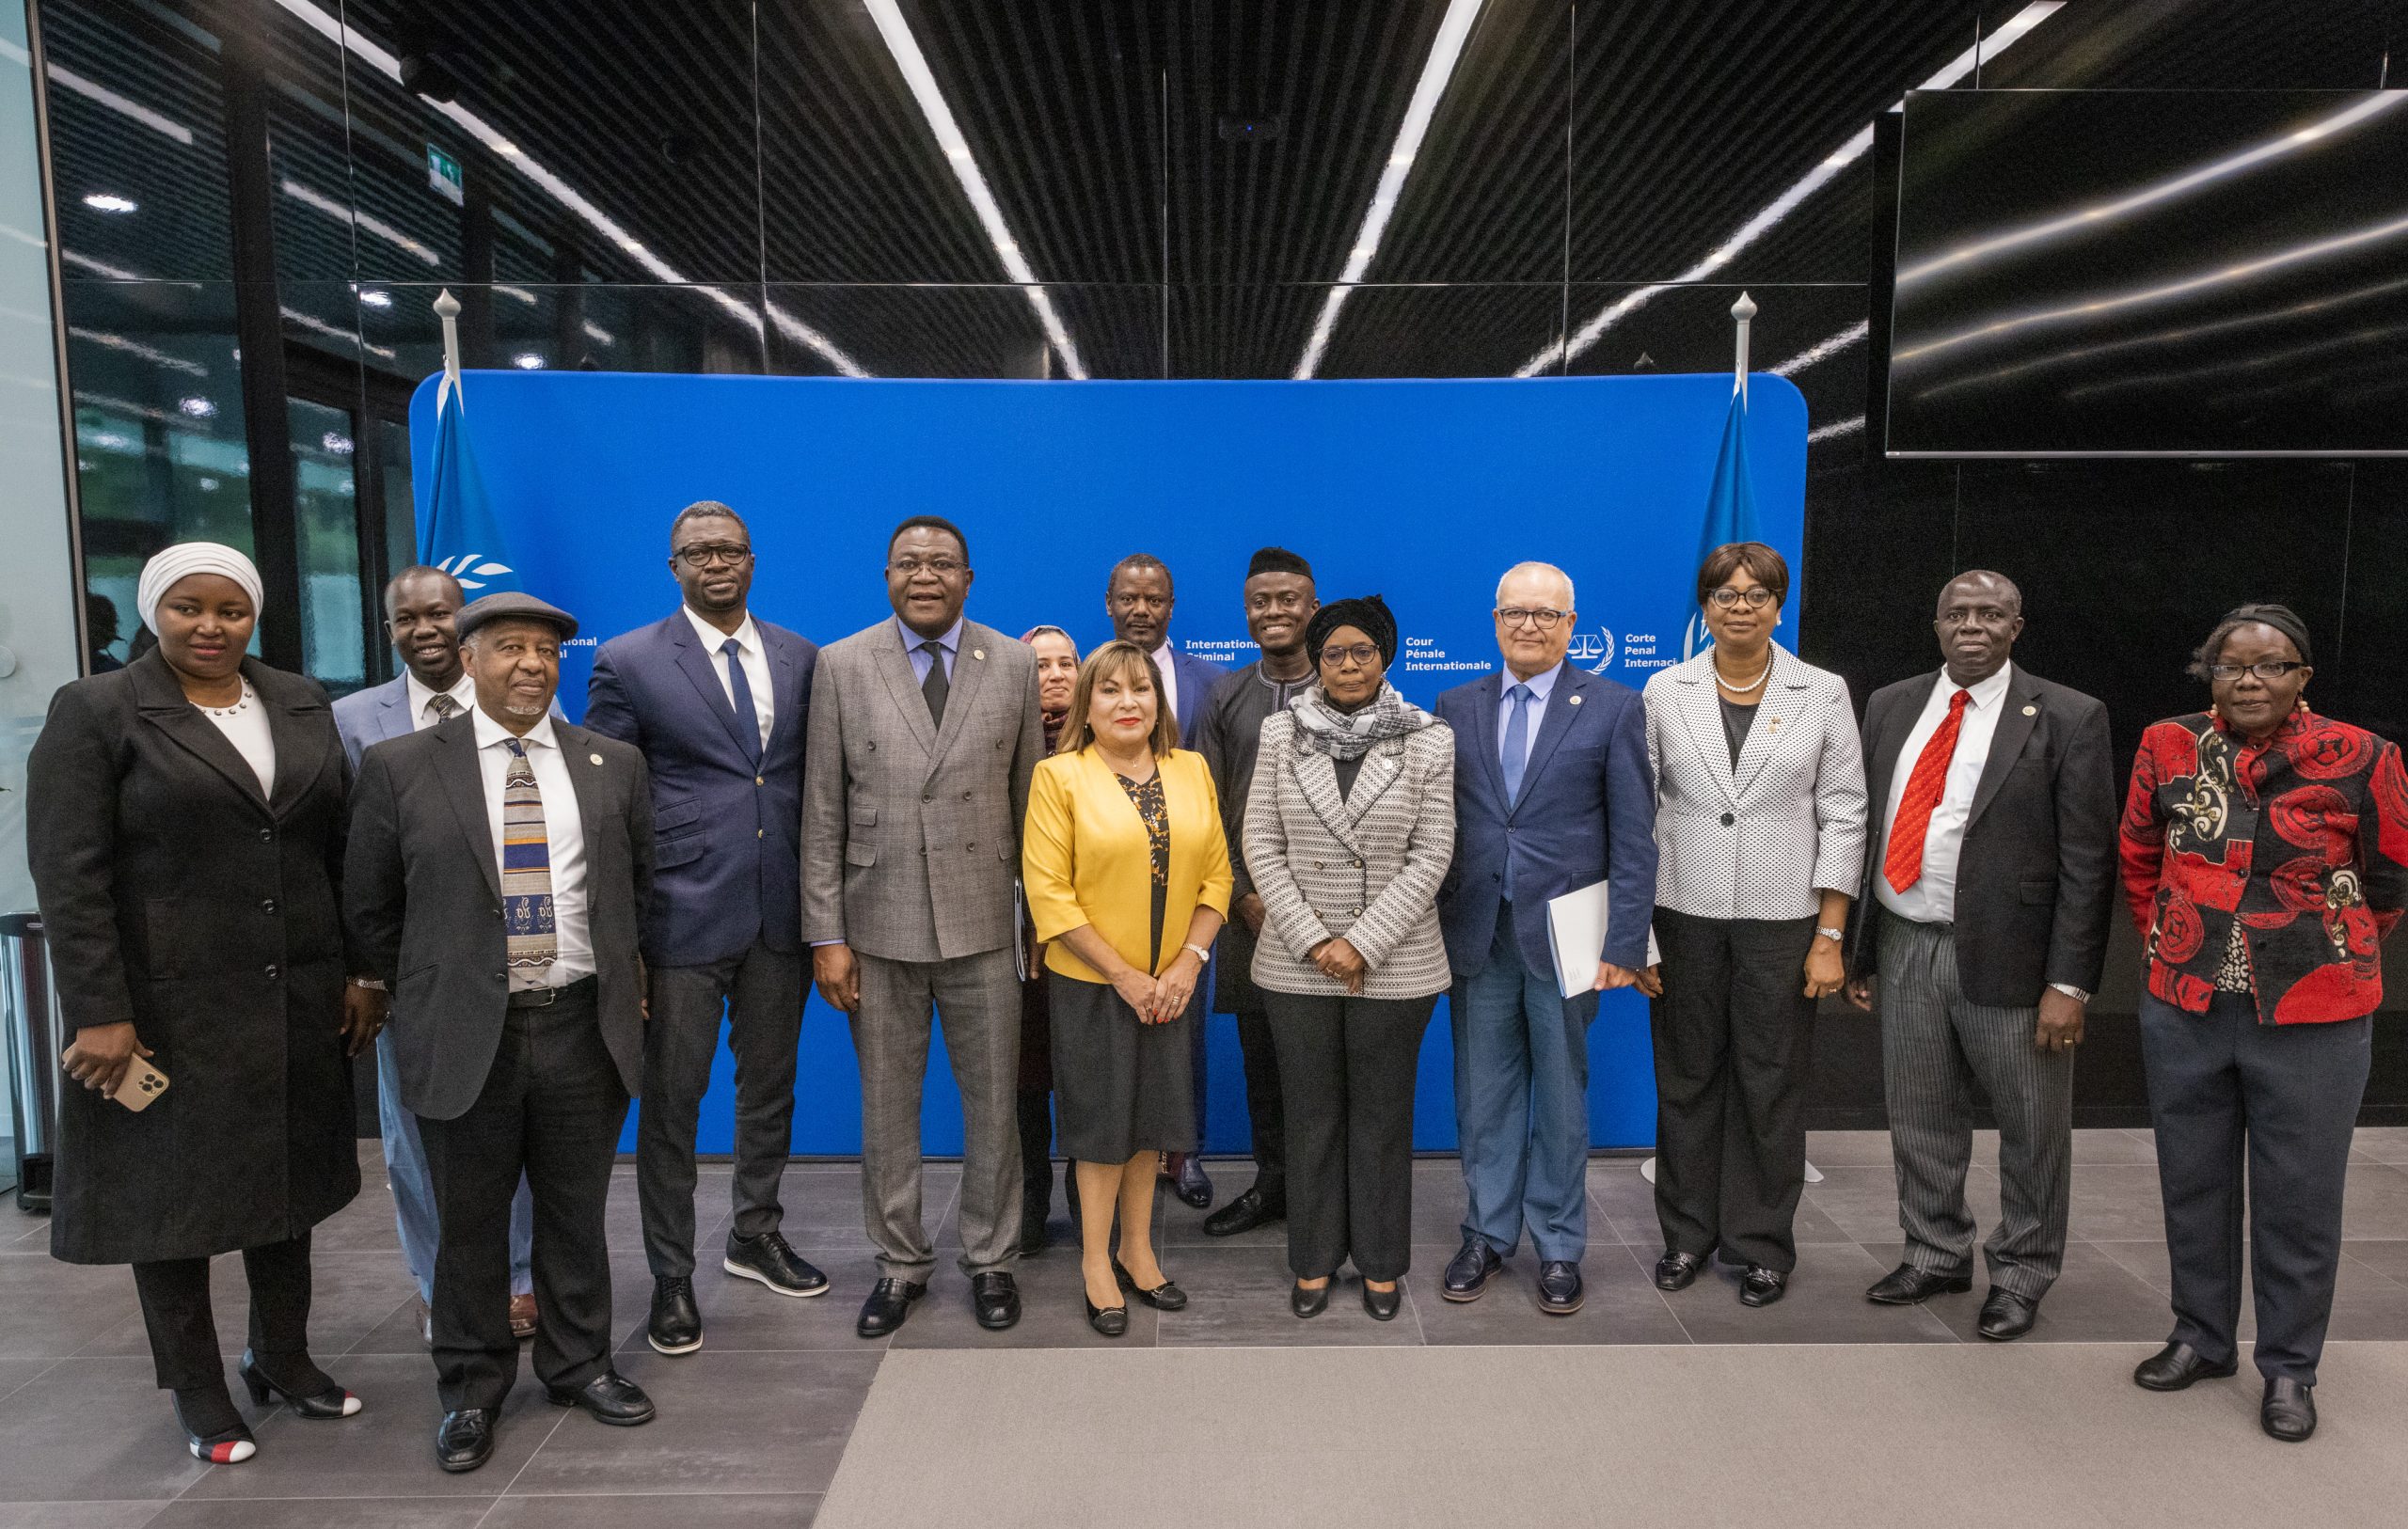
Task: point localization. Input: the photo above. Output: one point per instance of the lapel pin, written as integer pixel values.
(1575, 701)
(1773, 725)
(979, 654)
(596, 758)
(2031, 711)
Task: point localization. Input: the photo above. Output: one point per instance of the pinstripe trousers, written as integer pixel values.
(1935, 1044)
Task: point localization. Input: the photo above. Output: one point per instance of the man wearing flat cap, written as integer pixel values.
(495, 871)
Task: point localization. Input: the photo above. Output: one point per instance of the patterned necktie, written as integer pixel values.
(1903, 865)
(748, 721)
(1517, 741)
(936, 685)
(532, 943)
(444, 707)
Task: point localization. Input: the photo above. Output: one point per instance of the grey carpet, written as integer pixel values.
(1851, 1437)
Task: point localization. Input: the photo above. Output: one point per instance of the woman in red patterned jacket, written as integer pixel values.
(2265, 856)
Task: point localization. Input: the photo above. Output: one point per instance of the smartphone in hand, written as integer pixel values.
(141, 1086)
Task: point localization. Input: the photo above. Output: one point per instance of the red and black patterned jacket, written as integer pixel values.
(2303, 838)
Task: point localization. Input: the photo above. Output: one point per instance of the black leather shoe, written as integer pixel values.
(1677, 1271)
(2175, 1367)
(2006, 1315)
(1559, 1293)
(324, 1401)
(1188, 1179)
(1469, 1270)
(995, 1299)
(2289, 1411)
(1308, 1302)
(1247, 1211)
(464, 1440)
(1762, 1286)
(1382, 1305)
(770, 1260)
(675, 1326)
(1112, 1321)
(890, 1302)
(1907, 1285)
(611, 1397)
(1165, 1296)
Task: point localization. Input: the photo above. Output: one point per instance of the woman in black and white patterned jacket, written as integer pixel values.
(1349, 829)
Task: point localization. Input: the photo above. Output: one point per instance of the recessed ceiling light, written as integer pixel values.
(198, 408)
(336, 443)
(108, 201)
(377, 299)
(527, 361)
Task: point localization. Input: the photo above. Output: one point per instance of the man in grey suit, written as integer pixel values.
(494, 876)
(422, 605)
(1990, 882)
(923, 732)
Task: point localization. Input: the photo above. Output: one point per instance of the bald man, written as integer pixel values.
(1982, 927)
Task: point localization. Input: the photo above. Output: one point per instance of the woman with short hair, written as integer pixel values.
(2265, 853)
(1350, 827)
(184, 823)
(1127, 873)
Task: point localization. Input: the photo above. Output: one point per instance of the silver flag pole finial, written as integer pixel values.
(1743, 311)
(447, 308)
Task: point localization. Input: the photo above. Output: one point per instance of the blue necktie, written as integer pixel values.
(1517, 741)
(748, 721)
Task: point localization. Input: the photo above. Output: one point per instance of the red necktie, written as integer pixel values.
(1903, 865)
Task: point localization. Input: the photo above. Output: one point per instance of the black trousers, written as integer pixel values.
(2229, 1094)
(183, 1334)
(1266, 1112)
(551, 1109)
(760, 995)
(1346, 1073)
(1735, 1048)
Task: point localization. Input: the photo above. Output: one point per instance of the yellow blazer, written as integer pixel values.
(1084, 858)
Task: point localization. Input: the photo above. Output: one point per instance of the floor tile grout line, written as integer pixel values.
(557, 1422)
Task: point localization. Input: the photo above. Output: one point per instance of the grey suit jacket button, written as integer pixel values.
(1728, 820)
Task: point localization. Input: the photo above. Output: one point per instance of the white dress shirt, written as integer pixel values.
(1542, 686)
(1169, 672)
(463, 692)
(1933, 897)
(751, 653)
(564, 829)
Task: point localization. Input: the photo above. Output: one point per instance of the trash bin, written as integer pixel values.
(29, 1008)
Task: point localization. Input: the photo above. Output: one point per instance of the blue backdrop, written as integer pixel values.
(1423, 491)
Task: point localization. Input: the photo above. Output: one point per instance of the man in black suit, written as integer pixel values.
(495, 871)
(1989, 880)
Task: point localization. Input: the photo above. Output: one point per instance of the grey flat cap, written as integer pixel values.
(510, 604)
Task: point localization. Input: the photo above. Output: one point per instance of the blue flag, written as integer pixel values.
(456, 528)
(1730, 508)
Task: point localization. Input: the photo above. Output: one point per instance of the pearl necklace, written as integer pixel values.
(239, 707)
(1742, 690)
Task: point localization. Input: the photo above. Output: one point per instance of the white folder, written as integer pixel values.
(1576, 933)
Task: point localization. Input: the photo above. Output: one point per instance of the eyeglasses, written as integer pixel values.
(1363, 654)
(912, 567)
(1755, 598)
(702, 557)
(2272, 669)
(1543, 619)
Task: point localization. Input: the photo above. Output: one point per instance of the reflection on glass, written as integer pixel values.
(401, 501)
(325, 496)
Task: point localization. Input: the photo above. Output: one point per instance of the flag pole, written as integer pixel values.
(447, 308)
(1743, 311)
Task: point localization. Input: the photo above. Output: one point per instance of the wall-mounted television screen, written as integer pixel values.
(2151, 273)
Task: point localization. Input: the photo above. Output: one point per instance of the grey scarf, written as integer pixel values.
(1324, 730)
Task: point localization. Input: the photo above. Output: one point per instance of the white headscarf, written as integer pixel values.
(172, 565)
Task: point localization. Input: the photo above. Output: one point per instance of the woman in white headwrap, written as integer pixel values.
(184, 823)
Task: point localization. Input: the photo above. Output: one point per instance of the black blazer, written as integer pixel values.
(2036, 881)
(175, 896)
(422, 897)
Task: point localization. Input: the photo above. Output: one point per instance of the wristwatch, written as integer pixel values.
(2070, 991)
(1827, 932)
(1201, 953)
(374, 985)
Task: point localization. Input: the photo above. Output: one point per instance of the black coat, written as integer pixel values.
(422, 896)
(2036, 878)
(175, 897)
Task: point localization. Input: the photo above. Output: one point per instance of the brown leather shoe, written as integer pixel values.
(522, 1317)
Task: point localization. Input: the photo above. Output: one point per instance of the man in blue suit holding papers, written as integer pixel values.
(1552, 794)
(716, 701)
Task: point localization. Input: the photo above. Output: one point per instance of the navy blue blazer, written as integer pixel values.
(1196, 679)
(372, 716)
(728, 864)
(1587, 813)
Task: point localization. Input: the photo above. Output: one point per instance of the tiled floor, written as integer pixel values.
(752, 1428)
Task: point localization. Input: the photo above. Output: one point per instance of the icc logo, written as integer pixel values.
(1594, 650)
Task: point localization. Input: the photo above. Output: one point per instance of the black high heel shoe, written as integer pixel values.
(1305, 1303)
(1383, 1304)
(1112, 1321)
(212, 1430)
(1165, 1296)
(322, 1405)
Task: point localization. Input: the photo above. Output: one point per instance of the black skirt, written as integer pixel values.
(1119, 1087)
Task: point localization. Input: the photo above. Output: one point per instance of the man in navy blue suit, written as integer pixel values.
(1552, 794)
(420, 605)
(1138, 596)
(717, 702)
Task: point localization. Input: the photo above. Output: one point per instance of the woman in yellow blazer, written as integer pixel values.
(1127, 872)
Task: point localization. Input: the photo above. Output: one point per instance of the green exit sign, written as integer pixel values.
(443, 176)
